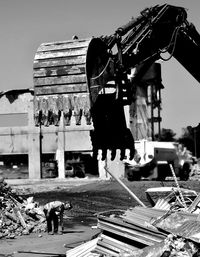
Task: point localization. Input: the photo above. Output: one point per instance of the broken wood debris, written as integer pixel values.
(18, 216)
(147, 231)
(124, 232)
(84, 250)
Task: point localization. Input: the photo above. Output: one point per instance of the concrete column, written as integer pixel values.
(34, 161)
(103, 174)
(60, 153)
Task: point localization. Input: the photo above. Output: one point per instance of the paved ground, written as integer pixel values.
(45, 243)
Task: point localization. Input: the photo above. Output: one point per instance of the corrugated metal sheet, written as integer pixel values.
(127, 233)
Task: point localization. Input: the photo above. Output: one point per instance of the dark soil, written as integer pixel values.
(100, 196)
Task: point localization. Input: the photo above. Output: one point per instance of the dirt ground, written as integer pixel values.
(89, 197)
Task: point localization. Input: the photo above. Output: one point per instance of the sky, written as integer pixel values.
(25, 24)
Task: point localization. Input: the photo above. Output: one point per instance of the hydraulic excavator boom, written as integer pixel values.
(86, 78)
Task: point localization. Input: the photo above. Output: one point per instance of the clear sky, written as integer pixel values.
(25, 24)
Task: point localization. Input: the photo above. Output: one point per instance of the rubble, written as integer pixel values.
(144, 232)
(150, 231)
(195, 171)
(172, 246)
(18, 216)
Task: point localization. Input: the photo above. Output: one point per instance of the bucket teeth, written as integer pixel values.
(113, 154)
(104, 154)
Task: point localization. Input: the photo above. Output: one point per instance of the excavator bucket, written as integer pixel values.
(60, 82)
(111, 132)
(70, 77)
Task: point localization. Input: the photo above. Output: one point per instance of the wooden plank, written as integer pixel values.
(71, 60)
(60, 80)
(19, 215)
(62, 46)
(115, 242)
(133, 234)
(156, 212)
(106, 251)
(133, 226)
(83, 249)
(194, 204)
(114, 249)
(59, 71)
(57, 54)
(61, 89)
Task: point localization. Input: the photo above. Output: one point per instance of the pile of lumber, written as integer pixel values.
(123, 233)
(18, 216)
(142, 232)
(131, 232)
(126, 232)
(170, 228)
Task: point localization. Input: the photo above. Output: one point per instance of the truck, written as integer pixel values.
(153, 159)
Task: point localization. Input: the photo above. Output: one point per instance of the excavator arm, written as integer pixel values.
(187, 49)
(90, 78)
(158, 30)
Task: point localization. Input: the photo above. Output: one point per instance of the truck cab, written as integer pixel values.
(152, 161)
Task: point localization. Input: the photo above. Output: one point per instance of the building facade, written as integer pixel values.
(26, 150)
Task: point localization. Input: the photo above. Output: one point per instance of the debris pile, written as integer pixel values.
(166, 198)
(172, 246)
(144, 232)
(123, 233)
(18, 216)
(195, 171)
(150, 232)
(183, 237)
